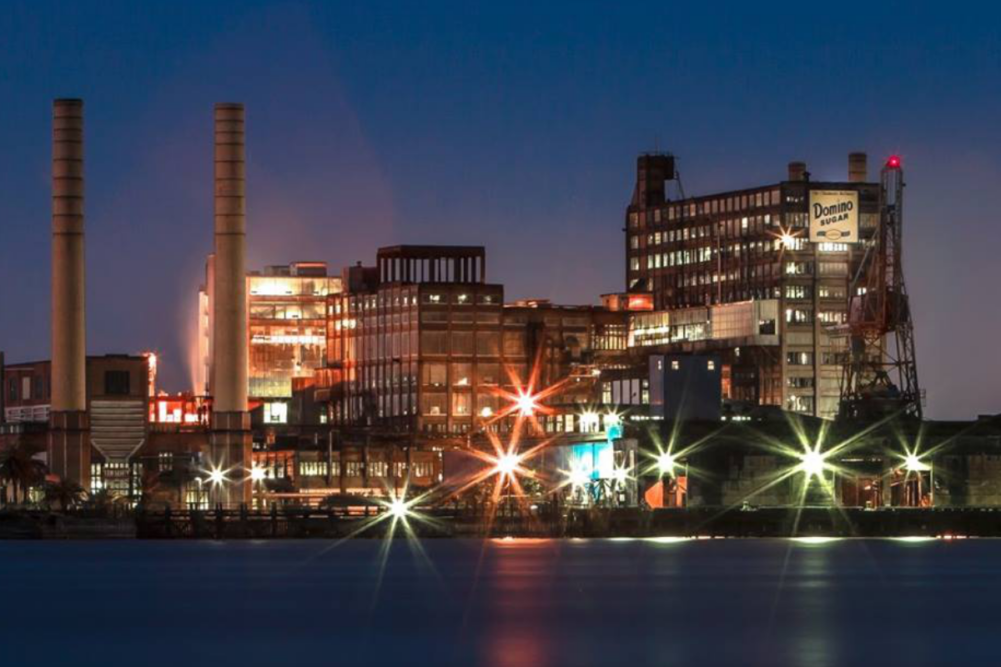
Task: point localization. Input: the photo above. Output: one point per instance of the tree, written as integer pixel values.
(65, 492)
(104, 502)
(20, 468)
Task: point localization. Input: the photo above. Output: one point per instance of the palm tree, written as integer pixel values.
(20, 468)
(104, 502)
(65, 492)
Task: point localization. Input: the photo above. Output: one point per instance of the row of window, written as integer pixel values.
(358, 468)
(690, 209)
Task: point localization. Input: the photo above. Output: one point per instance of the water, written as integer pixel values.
(501, 603)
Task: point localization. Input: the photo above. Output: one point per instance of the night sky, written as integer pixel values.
(514, 126)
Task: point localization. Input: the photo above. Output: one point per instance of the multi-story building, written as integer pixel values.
(422, 344)
(287, 327)
(735, 273)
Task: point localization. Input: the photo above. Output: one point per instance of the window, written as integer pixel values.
(832, 247)
(462, 342)
(487, 405)
(312, 468)
(434, 374)
(798, 268)
(487, 344)
(116, 383)
(800, 404)
(434, 342)
(799, 358)
(798, 316)
(434, 316)
(711, 365)
(514, 344)
(276, 413)
(798, 292)
(165, 461)
(461, 404)
(831, 292)
(675, 365)
(489, 374)
(434, 404)
(462, 374)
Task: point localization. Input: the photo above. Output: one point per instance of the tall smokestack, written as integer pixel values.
(230, 420)
(69, 448)
(858, 168)
(229, 289)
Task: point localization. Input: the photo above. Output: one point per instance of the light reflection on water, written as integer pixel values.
(506, 602)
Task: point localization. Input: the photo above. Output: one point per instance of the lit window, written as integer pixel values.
(711, 365)
(275, 413)
(675, 365)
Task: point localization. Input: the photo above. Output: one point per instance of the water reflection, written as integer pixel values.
(508, 602)
(514, 609)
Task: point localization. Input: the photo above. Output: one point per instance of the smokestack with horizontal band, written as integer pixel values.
(69, 446)
(230, 438)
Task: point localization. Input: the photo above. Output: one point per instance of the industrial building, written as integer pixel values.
(749, 320)
(424, 345)
(287, 328)
(736, 273)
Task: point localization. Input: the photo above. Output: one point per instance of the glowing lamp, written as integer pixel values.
(788, 241)
(579, 477)
(257, 474)
(620, 475)
(525, 404)
(217, 476)
(665, 462)
(893, 162)
(398, 509)
(508, 463)
(486, 412)
(914, 464)
(812, 463)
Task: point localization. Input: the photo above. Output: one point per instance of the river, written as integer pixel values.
(501, 602)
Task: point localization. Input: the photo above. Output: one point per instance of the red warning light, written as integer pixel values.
(893, 162)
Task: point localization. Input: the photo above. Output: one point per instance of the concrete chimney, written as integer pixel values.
(69, 446)
(797, 171)
(231, 439)
(858, 168)
(229, 281)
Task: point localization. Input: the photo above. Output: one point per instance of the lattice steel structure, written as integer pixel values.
(880, 373)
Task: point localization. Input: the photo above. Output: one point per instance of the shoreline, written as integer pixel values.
(673, 524)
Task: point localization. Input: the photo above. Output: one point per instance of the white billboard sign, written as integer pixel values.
(834, 216)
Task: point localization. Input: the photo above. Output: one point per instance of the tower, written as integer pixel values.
(230, 450)
(69, 441)
(880, 372)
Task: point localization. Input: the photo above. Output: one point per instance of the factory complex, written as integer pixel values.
(760, 354)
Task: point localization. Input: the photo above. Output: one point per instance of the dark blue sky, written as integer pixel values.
(514, 126)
